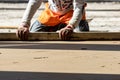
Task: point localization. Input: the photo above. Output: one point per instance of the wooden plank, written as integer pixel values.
(75, 36)
(8, 27)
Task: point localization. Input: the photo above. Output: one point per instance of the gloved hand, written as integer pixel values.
(23, 31)
(65, 33)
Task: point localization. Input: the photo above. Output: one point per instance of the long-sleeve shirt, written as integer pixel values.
(58, 6)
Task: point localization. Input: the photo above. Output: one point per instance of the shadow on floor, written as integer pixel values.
(60, 46)
(9, 75)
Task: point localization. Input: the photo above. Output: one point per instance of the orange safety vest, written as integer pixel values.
(49, 18)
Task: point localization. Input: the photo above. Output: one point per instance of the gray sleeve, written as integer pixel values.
(32, 6)
(77, 14)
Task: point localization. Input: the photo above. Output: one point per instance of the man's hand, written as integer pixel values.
(66, 32)
(23, 31)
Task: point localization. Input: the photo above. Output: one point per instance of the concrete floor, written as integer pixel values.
(60, 60)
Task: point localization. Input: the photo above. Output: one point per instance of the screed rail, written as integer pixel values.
(49, 36)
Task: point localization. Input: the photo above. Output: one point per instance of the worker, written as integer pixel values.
(65, 16)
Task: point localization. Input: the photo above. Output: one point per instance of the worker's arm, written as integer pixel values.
(77, 15)
(78, 12)
(32, 6)
(23, 29)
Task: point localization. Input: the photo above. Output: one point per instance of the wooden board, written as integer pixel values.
(8, 27)
(55, 36)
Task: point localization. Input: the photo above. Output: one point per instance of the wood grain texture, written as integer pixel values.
(49, 36)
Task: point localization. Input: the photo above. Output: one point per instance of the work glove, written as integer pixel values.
(65, 33)
(23, 31)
